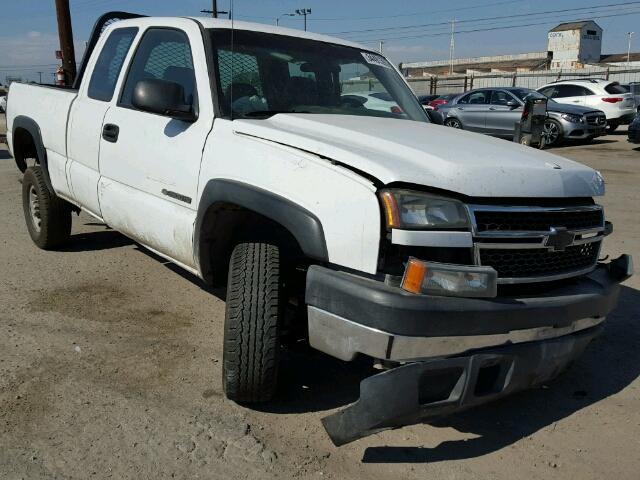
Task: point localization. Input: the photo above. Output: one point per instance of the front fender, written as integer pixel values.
(303, 225)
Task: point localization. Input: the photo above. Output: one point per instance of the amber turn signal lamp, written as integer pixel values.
(391, 212)
(413, 276)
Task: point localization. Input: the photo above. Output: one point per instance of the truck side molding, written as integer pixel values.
(305, 227)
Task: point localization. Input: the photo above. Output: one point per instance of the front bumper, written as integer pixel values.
(420, 391)
(579, 131)
(454, 353)
(351, 315)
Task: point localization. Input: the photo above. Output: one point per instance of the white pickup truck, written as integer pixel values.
(466, 267)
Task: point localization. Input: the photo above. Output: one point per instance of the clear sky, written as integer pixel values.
(412, 30)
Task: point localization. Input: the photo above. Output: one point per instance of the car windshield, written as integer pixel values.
(265, 74)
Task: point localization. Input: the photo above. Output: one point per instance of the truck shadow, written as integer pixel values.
(610, 363)
(94, 241)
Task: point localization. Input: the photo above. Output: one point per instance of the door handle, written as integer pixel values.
(492, 108)
(110, 132)
(460, 108)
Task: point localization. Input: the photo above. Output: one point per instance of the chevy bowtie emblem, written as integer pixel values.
(559, 239)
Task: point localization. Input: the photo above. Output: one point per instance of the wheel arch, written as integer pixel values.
(227, 208)
(27, 143)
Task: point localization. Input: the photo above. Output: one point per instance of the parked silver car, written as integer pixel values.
(495, 111)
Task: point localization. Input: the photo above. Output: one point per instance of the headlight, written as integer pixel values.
(414, 210)
(570, 117)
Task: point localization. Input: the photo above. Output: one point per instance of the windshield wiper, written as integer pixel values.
(269, 113)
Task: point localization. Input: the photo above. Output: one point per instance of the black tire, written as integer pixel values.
(553, 133)
(612, 127)
(252, 323)
(453, 123)
(48, 217)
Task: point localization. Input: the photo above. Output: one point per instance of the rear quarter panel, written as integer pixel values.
(49, 108)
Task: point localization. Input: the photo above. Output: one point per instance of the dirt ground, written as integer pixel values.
(110, 367)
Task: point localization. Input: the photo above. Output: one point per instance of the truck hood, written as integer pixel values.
(426, 154)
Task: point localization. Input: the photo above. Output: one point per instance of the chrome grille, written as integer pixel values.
(540, 262)
(596, 119)
(537, 221)
(536, 244)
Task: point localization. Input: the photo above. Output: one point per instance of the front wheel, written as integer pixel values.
(48, 217)
(453, 123)
(252, 323)
(551, 133)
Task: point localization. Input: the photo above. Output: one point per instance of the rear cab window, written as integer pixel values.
(107, 68)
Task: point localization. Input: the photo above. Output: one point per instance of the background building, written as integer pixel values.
(572, 45)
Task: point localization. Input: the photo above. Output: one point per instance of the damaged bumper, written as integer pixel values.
(419, 391)
(456, 352)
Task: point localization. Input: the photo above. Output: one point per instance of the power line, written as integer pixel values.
(414, 14)
(635, 12)
(472, 20)
(497, 23)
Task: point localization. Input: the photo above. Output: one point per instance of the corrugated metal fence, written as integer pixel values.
(462, 83)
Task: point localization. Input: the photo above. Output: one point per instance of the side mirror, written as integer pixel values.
(163, 97)
(512, 104)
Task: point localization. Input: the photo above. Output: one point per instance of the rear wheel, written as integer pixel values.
(48, 217)
(252, 323)
(551, 133)
(453, 123)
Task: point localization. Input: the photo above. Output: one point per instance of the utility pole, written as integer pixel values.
(214, 10)
(452, 45)
(65, 33)
(629, 48)
(380, 47)
(304, 12)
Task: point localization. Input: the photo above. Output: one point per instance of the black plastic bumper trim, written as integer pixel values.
(397, 397)
(373, 304)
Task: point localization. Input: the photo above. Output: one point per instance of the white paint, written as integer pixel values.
(289, 155)
(426, 154)
(345, 203)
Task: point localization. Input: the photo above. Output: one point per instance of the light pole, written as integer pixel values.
(629, 48)
(304, 12)
(284, 15)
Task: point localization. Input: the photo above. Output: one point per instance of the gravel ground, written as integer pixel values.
(110, 364)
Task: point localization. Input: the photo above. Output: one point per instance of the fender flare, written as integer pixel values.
(32, 127)
(305, 227)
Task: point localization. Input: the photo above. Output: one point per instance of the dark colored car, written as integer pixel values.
(634, 130)
(425, 99)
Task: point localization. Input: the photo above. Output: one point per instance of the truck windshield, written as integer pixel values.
(269, 74)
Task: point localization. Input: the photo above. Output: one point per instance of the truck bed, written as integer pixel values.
(48, 106)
